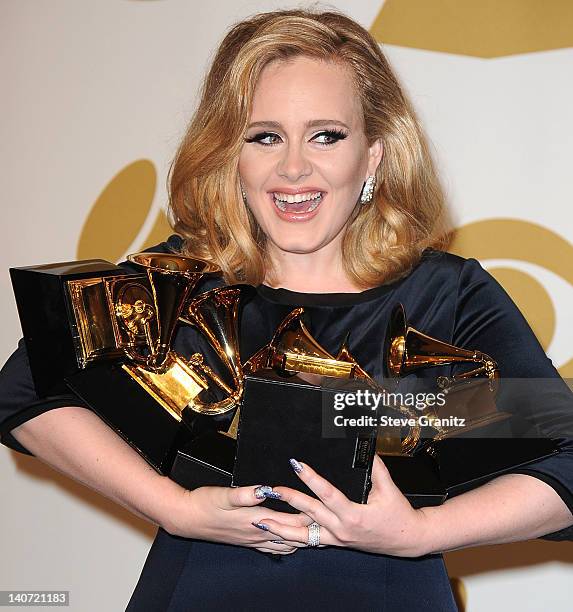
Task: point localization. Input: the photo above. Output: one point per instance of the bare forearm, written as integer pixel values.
(510, 508)
(77, 443)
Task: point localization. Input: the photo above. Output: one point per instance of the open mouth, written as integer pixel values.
(298, 203)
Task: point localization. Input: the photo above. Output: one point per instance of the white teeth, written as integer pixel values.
(282, 200)
(296, 198)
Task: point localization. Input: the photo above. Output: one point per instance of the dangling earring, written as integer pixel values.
(243, 193)
(368, 190)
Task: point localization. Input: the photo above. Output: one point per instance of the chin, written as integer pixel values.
(298, 246)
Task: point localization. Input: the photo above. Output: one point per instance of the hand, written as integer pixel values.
(387, 524)
(228, 515)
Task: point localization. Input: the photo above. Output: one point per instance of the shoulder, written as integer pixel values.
(173, 244)
(466, 279)
(448, 269)
(442, 287)
(451, 264)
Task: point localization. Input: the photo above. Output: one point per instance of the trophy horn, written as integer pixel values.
(385, 444)
(406, 349)
(345, 355)
(216, 314)
(293, 349)
(171, 278)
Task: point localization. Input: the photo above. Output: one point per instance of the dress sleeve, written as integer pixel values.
(19, 401)
(486, 319)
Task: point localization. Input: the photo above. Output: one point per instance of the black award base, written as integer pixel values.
(446, 468)
(283, 419)
(132, 412)
(206, 460)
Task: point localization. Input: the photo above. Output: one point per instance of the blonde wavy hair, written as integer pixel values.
(386, 237)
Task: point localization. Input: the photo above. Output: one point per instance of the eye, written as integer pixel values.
(329, 137)
(267, 139)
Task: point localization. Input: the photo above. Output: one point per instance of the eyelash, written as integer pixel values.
(334, 134)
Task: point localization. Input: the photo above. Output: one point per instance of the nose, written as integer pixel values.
(293, 164)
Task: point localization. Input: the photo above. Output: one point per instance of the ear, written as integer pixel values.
(375, 153)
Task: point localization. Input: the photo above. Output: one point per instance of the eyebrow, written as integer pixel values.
(308, 124)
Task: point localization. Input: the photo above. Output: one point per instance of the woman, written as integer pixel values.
(304, 172)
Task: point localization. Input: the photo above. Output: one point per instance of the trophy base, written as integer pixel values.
(64, 314)
(467, 463)
(281, 419)
(207, 460)
(446, 468)
(418, 478)
(132, 412)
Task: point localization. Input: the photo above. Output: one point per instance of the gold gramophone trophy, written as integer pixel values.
(107, 333)
(407, 350)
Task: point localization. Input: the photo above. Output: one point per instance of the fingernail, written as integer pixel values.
(278, 541)
(261, 526)
(273, 495)
(296, 466)
(261, 492)
(264, 492)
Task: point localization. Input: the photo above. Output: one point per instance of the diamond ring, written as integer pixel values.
(313, 535)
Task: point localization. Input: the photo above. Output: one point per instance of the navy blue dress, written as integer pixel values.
(445, 296)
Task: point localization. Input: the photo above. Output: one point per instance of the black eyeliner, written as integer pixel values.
(335, 134)
(338, 134)
(259, 136)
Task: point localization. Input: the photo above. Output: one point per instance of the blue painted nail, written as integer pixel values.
(261, 526)
(264, 492)
(296, 466)
(278, 541)
(273, 495)
(261, 492)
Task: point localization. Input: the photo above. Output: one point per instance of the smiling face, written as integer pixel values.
(305, 156)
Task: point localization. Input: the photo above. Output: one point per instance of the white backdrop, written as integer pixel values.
(90, 88)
